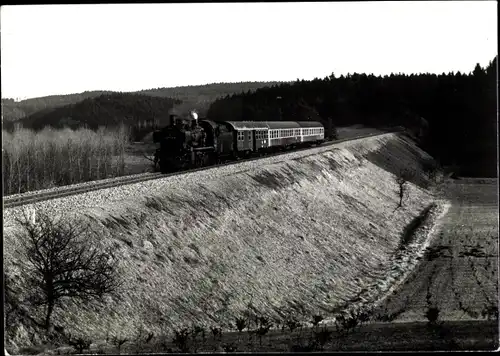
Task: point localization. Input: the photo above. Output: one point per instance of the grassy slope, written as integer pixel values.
(313, 233)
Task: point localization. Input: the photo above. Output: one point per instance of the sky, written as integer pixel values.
(63, 49)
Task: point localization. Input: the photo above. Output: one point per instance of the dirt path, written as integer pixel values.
(459, 272)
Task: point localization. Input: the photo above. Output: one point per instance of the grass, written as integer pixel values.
(227, 223)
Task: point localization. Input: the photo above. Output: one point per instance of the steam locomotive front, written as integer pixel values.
(177, 142)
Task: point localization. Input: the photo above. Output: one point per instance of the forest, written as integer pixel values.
(197, 95)
(456, 113)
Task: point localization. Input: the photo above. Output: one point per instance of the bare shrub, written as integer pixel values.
(118, 342)
(348, 322)
(80, 344)
(316, 320)
(432, 315)
(292, 323)
(229, 347)
(181, 339)
(216, 332)
(402, 180)
(241, 324)
(64, 262)
(432, 169)
(321, 337)
(491, 312)
(263, 327)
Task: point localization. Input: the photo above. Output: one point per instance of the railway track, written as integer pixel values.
(42, 195)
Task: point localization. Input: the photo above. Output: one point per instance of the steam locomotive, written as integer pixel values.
(189, 142)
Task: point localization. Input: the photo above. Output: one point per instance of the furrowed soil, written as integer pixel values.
(307, 233)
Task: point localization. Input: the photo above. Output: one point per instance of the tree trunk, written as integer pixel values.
(50, 308)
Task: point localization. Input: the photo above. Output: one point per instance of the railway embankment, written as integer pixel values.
(311, 232)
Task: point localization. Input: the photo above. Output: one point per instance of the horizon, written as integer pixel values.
(220, 43)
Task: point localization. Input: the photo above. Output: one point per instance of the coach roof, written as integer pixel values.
(263, 125)
(310, 124)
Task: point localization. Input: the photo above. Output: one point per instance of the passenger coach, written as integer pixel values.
(255, 136)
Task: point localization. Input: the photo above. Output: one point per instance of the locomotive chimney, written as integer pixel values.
(172, 119)
(194, 116)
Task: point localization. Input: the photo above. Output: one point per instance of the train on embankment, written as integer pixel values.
(189, 143)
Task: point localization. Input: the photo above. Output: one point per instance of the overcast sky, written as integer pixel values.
(62, 49)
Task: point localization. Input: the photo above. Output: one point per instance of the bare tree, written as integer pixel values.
(64, 261)
(402, 180)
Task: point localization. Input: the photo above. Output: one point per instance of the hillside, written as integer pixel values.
(12, 110)
(105, 110)
(308, 232)
(198, 96)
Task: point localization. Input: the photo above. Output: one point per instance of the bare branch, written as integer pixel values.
(64, 262)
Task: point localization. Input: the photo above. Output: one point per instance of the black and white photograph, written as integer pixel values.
(250, 177)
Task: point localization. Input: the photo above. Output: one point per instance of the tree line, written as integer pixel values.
(50, 158)
(455, 112)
